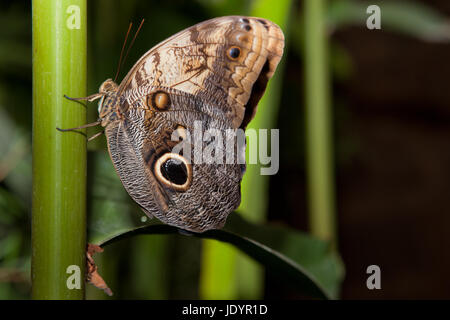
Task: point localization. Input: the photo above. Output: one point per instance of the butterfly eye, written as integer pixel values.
(159, 100)
(234, 53)
(174, 171)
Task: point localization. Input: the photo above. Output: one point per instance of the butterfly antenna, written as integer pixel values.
(121, 51)
(132, 41)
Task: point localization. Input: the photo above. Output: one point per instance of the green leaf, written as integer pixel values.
(304, 262)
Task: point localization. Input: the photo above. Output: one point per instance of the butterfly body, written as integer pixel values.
(207, 77)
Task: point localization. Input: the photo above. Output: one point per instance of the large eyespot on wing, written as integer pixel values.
(225, 61)
(173, 171)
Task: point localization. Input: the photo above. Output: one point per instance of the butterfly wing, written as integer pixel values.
(212, 74)
(226, 60)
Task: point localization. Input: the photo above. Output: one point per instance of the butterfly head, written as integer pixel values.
(107, 103)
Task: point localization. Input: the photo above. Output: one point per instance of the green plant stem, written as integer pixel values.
(59, 158)
(319, 160)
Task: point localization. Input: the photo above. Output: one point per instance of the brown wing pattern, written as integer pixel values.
(226, 61)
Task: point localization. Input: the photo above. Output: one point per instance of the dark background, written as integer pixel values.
(392, 164)
(393, 197)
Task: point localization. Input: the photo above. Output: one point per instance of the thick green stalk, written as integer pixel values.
(218, 274)
(244, 278)
(318, 124)
(59, 158)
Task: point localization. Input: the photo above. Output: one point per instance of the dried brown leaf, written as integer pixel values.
(92, 276)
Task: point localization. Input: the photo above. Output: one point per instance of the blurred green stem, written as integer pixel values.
(59, 158)
(318, 123)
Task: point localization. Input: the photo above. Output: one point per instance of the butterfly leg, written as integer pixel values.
(93, 124)
(96, 135)
(90, 98)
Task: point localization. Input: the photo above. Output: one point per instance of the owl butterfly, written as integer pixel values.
(214, 72)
